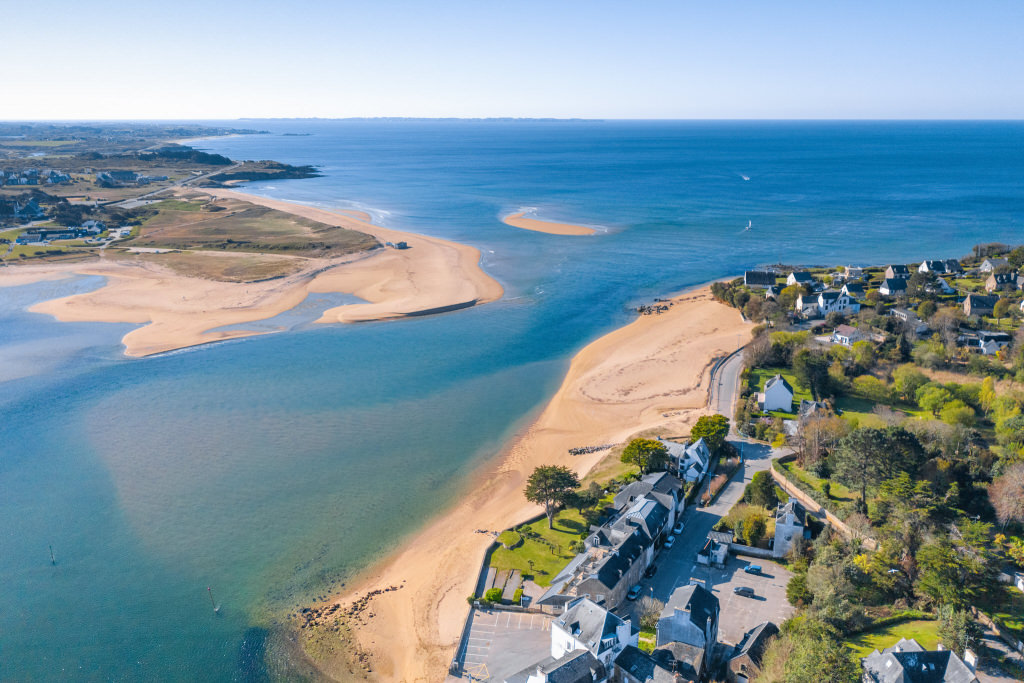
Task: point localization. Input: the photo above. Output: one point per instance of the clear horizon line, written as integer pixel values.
(518, 118)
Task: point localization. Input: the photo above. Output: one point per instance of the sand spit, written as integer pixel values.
(517, 220)
(178, 311)
(622, 383)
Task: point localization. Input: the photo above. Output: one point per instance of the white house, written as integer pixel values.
(806, 306)
(1018, 581)
(777, 395)
(944, 286)
(990, 264)
(836, 302)
(585, 625)
(800, 278)
(790, 520)
(893, 286)
(854, 290)
(846, 335)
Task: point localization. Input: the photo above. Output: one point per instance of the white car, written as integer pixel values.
(678, 528)
(669, 541)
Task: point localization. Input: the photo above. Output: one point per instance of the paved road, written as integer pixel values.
(725, 384)
(146, 198)
(678, 564)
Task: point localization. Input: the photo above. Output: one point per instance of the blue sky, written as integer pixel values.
(560, 58)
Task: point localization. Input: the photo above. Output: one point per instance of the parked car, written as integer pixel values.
(634, 592)
(752, 569)
(651, 571)
(669, 541)
(745, 591)
(678, 528)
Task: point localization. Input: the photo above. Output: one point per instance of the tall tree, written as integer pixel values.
(551, 486)
(811, 370)
(860, 460)
(647, 454)
(1007, 494)
(713, 429)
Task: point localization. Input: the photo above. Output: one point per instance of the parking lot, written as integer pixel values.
(502, 643)
(740, 613)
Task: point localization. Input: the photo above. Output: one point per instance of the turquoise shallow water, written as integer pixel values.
(272, 468)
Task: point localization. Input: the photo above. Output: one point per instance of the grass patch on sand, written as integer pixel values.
(924, 632)
(544, 552)
(227, 266)
(244, 227)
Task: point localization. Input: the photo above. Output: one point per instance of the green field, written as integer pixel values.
(548, 558)
(762, 375)
(861, 409)
(924, 632)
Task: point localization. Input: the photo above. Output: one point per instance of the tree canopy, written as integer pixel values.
(647, 454)
(713, 429)
(551, 486)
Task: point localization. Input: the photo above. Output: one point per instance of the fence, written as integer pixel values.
(815, 508)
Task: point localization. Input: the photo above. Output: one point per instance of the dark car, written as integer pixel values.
(745, 591)
(651, 571)
(634, 592)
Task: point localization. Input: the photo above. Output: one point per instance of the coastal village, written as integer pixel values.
(857, 517)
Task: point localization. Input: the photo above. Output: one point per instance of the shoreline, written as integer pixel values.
(651, 373)
(175, 311)
(518, 220)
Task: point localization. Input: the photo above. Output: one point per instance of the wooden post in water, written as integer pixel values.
(53, 560)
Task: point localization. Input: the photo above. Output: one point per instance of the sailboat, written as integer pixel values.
(749, 223)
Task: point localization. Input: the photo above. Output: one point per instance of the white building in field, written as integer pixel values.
(777, 395)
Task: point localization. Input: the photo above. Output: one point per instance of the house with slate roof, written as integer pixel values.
(893, 286)
(1001, 281)
(777, 395)
(585, 625)
(979, 304)
(990, 264)
(908, 662)
(578, 666)
(690, 462)
(659, 486)
(897, 272)
(854, 290)
(690, 616)
(759, 279)
(745, 660)
(800, 278)
(790, 524)
(806, 305)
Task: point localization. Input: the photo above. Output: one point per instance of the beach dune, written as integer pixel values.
(652, 373)
(177, 311)
(519, 220)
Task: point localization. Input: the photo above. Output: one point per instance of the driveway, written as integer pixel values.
(740, 614)
(503, 643)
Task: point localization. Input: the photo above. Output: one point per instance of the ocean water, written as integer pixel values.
(272, 469)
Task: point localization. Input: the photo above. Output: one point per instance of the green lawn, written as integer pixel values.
(860, 409)
(178, 205)
(762, 375)
(1007, 606)
(837, 492)
(924, 632)
(548, 558)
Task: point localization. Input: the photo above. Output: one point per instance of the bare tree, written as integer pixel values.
(1007, 494)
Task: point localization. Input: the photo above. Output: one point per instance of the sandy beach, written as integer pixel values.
(176, 311)
(620, 384)
(518, 220)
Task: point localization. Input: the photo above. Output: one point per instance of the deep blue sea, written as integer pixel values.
(271, 469)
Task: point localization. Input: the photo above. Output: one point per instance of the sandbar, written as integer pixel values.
(518, 220)
(651, 374)
(177, 311)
